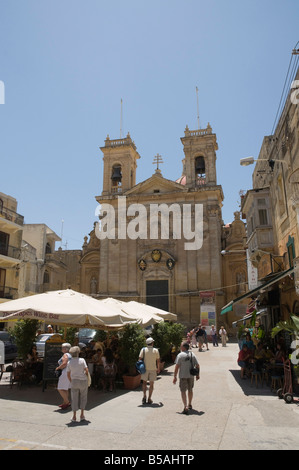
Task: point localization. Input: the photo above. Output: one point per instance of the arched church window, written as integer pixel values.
(48, 248)
(116, 178)
(200, 170)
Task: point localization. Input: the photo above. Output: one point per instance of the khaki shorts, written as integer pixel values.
(149, 375)
(186, 384)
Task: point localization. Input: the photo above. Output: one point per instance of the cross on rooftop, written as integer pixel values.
(158, 159)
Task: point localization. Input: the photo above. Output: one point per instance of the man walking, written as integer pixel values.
(184, 361)
(151, 358)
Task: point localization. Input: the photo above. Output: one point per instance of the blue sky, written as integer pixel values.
(67, 64)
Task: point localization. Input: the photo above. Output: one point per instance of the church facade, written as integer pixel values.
(160, 242)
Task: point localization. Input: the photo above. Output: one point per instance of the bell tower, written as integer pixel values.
(120, 163)
(200, 157)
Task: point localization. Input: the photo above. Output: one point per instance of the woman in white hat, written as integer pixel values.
(63, 382)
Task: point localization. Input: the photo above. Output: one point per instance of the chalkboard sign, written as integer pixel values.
(52, 355)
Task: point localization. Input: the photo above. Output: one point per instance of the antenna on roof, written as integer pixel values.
(197, 108)
(121, 118)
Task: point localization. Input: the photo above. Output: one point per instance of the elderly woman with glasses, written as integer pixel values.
(63, 381)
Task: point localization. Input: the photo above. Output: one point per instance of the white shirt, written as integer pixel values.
(76, 367)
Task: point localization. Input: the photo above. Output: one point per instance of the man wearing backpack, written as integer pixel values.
(151, 358)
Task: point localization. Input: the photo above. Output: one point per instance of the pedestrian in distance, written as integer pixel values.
(205, 338)
(110, 370)
(184, 361)
(64, 385)
(200, 337)
(214, 335)
(151, 358)
(223, 335)
(77, 372)
(193, 334)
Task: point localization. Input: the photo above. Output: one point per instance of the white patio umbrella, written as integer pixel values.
(65, 307)
(157, 311)
(144, 314)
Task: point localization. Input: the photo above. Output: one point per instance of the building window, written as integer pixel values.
(46, 277)
(4, 241)
(48, 248)
(291, 251)
(116, 178)
(2, 282)
(263, 217)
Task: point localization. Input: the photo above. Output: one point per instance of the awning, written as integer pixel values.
(228, 307)
(260, 313)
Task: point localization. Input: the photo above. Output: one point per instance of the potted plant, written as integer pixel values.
(132, 340)
(168, 337)
(24, 333)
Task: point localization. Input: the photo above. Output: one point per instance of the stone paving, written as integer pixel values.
(228, 414)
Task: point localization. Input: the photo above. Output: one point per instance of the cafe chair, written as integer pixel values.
(19, 373)
(257, 375)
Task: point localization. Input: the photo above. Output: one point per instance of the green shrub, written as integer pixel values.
(167, 336)
(132, 340)
(24, 333)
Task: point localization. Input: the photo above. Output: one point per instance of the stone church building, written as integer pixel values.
(144, 251)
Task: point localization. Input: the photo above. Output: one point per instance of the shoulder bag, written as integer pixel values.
(193, 370)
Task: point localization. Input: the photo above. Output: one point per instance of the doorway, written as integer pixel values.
(157, 294)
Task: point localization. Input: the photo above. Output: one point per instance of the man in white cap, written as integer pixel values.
(151, 358)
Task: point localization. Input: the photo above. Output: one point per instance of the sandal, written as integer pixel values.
(64, 406)
(185, 411)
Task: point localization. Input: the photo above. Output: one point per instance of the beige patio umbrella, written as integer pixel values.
(154, 310)
(144, 314)
(65, 307)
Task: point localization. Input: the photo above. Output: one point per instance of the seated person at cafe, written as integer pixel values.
(260, 356)
(280, 354)
(35, 364)
(244, 358)
(248, 341)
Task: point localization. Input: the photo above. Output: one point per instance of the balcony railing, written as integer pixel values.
(11, 251)
(8, 214)
(200, 181)
(8, 292)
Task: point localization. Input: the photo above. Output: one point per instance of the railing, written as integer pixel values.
(117, 190)
(200, 181)
(11, 251)
(8, 292)
(116, 142)
(198, 132)
(8, 214)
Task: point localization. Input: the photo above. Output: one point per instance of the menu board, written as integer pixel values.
(52, 355)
